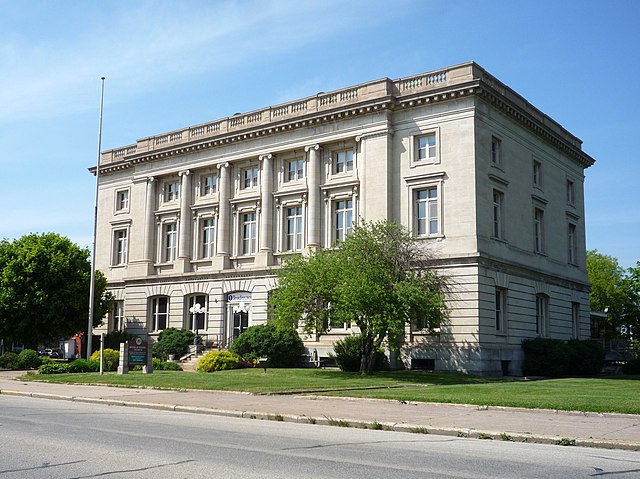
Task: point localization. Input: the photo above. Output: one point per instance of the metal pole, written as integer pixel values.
(101, 354)
(92, 286)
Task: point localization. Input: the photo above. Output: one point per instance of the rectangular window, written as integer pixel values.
(538, 230)
(250, 177)
(249, 233)
(159, 313)
(498, 214)
(426, 147)
(571, 195)
(294, 228)
(427, 212)
(496, 153)
(343, 219)
(572, 244)
(208, 238)
(122, 200)
(295, 170)
(170, 242)
(117, 323)
(500, 310)
(537, 174)
(120, 246)
(171, 191)
(542, 314)
(575, 320)
(343, 161)
(209, 185)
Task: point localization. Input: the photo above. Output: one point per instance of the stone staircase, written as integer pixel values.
(190, 363)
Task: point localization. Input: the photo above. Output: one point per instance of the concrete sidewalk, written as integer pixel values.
(621, 431)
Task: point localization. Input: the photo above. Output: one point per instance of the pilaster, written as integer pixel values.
(224, 218)
(315, 197)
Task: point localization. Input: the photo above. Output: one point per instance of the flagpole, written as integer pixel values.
(92, 286)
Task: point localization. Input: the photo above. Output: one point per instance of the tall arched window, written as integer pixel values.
(158, 313)
(196, 313)
(542, 315)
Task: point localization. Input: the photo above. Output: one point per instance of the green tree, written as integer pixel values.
(277, 342)
(633, 312)
(379, 279)
(306, 287)
(44, 289)
(172, 341)
(615, 291)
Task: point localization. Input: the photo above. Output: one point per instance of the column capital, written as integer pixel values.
(312, 147)
(151, 179)
(222, 165)
(268, 156)
(184, 172)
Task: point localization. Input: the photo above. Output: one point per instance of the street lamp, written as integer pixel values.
(195, 310)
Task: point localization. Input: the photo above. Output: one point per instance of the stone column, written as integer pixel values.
(224, 217)
(265, 254)
(184, 232)
(314, 169)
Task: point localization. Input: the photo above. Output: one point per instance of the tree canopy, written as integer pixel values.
(616, 291)
(378, 278)
(44, 289)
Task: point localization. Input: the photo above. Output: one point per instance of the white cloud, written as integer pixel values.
(153, 43)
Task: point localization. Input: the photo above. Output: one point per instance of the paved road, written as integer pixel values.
(600, 430)
(60, 439)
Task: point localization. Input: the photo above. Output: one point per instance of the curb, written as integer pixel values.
(344, 422)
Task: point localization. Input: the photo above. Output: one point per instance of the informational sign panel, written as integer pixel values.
(138, 350)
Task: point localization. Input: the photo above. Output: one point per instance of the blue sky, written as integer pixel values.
(170, 64)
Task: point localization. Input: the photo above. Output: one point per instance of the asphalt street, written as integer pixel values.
(620, 431)
(60, 439)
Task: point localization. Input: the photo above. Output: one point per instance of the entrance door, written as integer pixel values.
(240, 322)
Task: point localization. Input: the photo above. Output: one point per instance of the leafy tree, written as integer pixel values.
(44, 289)
(379, 279)
(633, 312)
(173, 341)
(279, 343)
(616, 291)
(306, 289)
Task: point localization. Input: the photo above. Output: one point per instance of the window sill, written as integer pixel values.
(424, 162)
(438, 237)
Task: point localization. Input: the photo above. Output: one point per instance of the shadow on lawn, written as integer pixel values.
(407, 377)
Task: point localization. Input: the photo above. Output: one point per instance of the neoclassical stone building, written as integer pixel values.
(193, 223)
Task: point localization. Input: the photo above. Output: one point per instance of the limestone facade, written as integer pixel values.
(193, 223)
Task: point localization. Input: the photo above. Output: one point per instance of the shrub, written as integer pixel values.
(632, 367)
(173, 341)
(347, 354)
(28, 359)
(556, 358)
(9, 360)
(218, 361)
(279, 343)
(84, 366)
(111, 359)
(53, 368)
(165, 365)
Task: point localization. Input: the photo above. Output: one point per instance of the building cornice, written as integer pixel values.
(451, 83)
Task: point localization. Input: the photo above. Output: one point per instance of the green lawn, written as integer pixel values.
(580, 394)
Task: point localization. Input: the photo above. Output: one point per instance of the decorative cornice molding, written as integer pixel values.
(451, 83)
